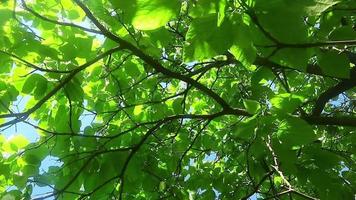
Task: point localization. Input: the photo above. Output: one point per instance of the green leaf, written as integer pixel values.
(36, 155)
(316, 7)
(206, 7)
(5, 16)
(69, 51)
(287, 156)
(322, 158)
(73, 14)
(149, 14)
(242, 47)
(286, 103)
(343, 33)
(62, 120)
(246, 128)
(2, 139)
(6, 63)
(30, 170)
(295, 132)
(261, 76)
(160, 37)
(132, 69)
(221, 11)
(74, 90)
(8, 93)
(35, 85)
(15, 143)
(138, 110)
(278, 181)
(273, 18)
(164, 105)
(334, 64)
(307, 7)
(206, 39)
(251, 106)
(83, 46)
(294, 58)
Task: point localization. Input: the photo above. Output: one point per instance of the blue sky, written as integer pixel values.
(31, 133)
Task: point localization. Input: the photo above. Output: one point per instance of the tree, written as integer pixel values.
(179, 99)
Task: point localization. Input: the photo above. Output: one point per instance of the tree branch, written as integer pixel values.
(24, 115)
(257, 187)
(33, 66)
(336, 121)
(334, 91)
(36, 14)
(151, 61)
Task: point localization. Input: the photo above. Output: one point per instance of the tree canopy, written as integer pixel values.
(178, 99)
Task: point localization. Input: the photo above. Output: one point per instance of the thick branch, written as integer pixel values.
(311, 68)
(336, 121)
(151, 61)
(314, 44)
(333, 92)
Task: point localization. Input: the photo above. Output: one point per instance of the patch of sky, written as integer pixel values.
(31, 133)
(46, 163)
(210, 157)
(87, 24)
(87, 118)
(21, 128)
(254, 197)
(337, 101)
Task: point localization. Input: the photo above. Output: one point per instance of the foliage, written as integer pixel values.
(179, 99)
